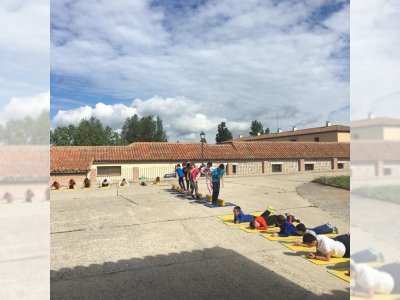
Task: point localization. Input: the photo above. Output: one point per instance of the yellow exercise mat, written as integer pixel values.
(280, 238)
(293, 247)
(228, 219)
(342, 274)
(379, 297)
(246, 228)
(332, 261)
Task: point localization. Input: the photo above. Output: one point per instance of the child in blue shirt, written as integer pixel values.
(240, 217)
(287, 228)
(179, 171)
(217, 178)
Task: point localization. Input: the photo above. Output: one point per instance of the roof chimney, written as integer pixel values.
(371, 116)
(279, 130)
(258, 133)
(328, 123)
(294, 128)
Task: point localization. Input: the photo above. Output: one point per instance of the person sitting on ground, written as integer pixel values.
(287, 228)
(8, 197)
(366, 280)
(143, 183)
(29, 195)
(240, 217)
(322, 229)
(71, 184)
(106, 182)
(123, 182)
(327, 247)
(266, 219)
(56, 185)
(157, 181)
(86, 183)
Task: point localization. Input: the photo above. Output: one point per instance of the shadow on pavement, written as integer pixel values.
(214, 273)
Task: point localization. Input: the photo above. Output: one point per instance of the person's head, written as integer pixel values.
(309, 240)
(105, 180)
(158, 179)
(188, 165)
(301, 228)
(178, 165)
(209, 164)
(123, 180)
(221, 167)
(254, 224)
(236, 210)
(280, 220)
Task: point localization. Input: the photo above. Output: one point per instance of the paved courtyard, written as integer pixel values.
(149, 243)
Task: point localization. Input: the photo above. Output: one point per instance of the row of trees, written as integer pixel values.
(92, 133)
(135, 129)
(224, 134)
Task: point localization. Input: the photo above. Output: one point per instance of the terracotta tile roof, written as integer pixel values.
(332, 128)
(79, 159)
(375, 122)
(24, 163)
(375, 150)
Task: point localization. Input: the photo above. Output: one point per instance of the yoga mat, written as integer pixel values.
(342, 274)
(279, 238)
(246, 228)
(291, 246)
(212, 206)
(332, 261)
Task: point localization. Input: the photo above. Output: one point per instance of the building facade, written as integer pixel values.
(329, 133)
(141, 161)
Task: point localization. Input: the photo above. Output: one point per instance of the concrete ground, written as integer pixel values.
(149, 243)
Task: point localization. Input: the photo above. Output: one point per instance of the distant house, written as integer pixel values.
(327, 133)
(373, 158)
(149, 160)
(24, 167)
(384, 129)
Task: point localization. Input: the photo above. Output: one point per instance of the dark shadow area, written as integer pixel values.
(196, 201)
(214, 273)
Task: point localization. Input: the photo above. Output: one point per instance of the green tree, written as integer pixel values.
(223, 133)
(63, 136)
(131, 130)
(26, 131)
(161, 135)
(145, 129)
(267, 131)
(256, 127)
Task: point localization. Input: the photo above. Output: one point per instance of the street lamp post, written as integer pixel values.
(203, 140)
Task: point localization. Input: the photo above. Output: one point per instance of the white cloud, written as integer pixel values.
(375, 59)
(19, 108)
(25, 48)
(227, 60)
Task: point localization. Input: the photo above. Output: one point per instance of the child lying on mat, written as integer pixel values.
(366, 280)
(322, 229)
(240, 217)
(268, 219)
(287, 228)
(327, 247)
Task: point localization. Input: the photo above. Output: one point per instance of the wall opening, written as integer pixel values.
(309, 167)
(109, 171)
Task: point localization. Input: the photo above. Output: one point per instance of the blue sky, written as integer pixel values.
(197, 63)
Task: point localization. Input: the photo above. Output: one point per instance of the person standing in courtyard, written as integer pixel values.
(217, 178)
(206, 171)
(180, 174)
(194, 173)
(185, 171)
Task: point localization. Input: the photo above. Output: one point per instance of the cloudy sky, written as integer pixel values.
(197, 63)
(25, 58)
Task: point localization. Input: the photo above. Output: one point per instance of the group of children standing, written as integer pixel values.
(188, 173)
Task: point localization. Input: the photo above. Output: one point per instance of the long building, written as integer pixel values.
(327, 133)
(149, 160)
